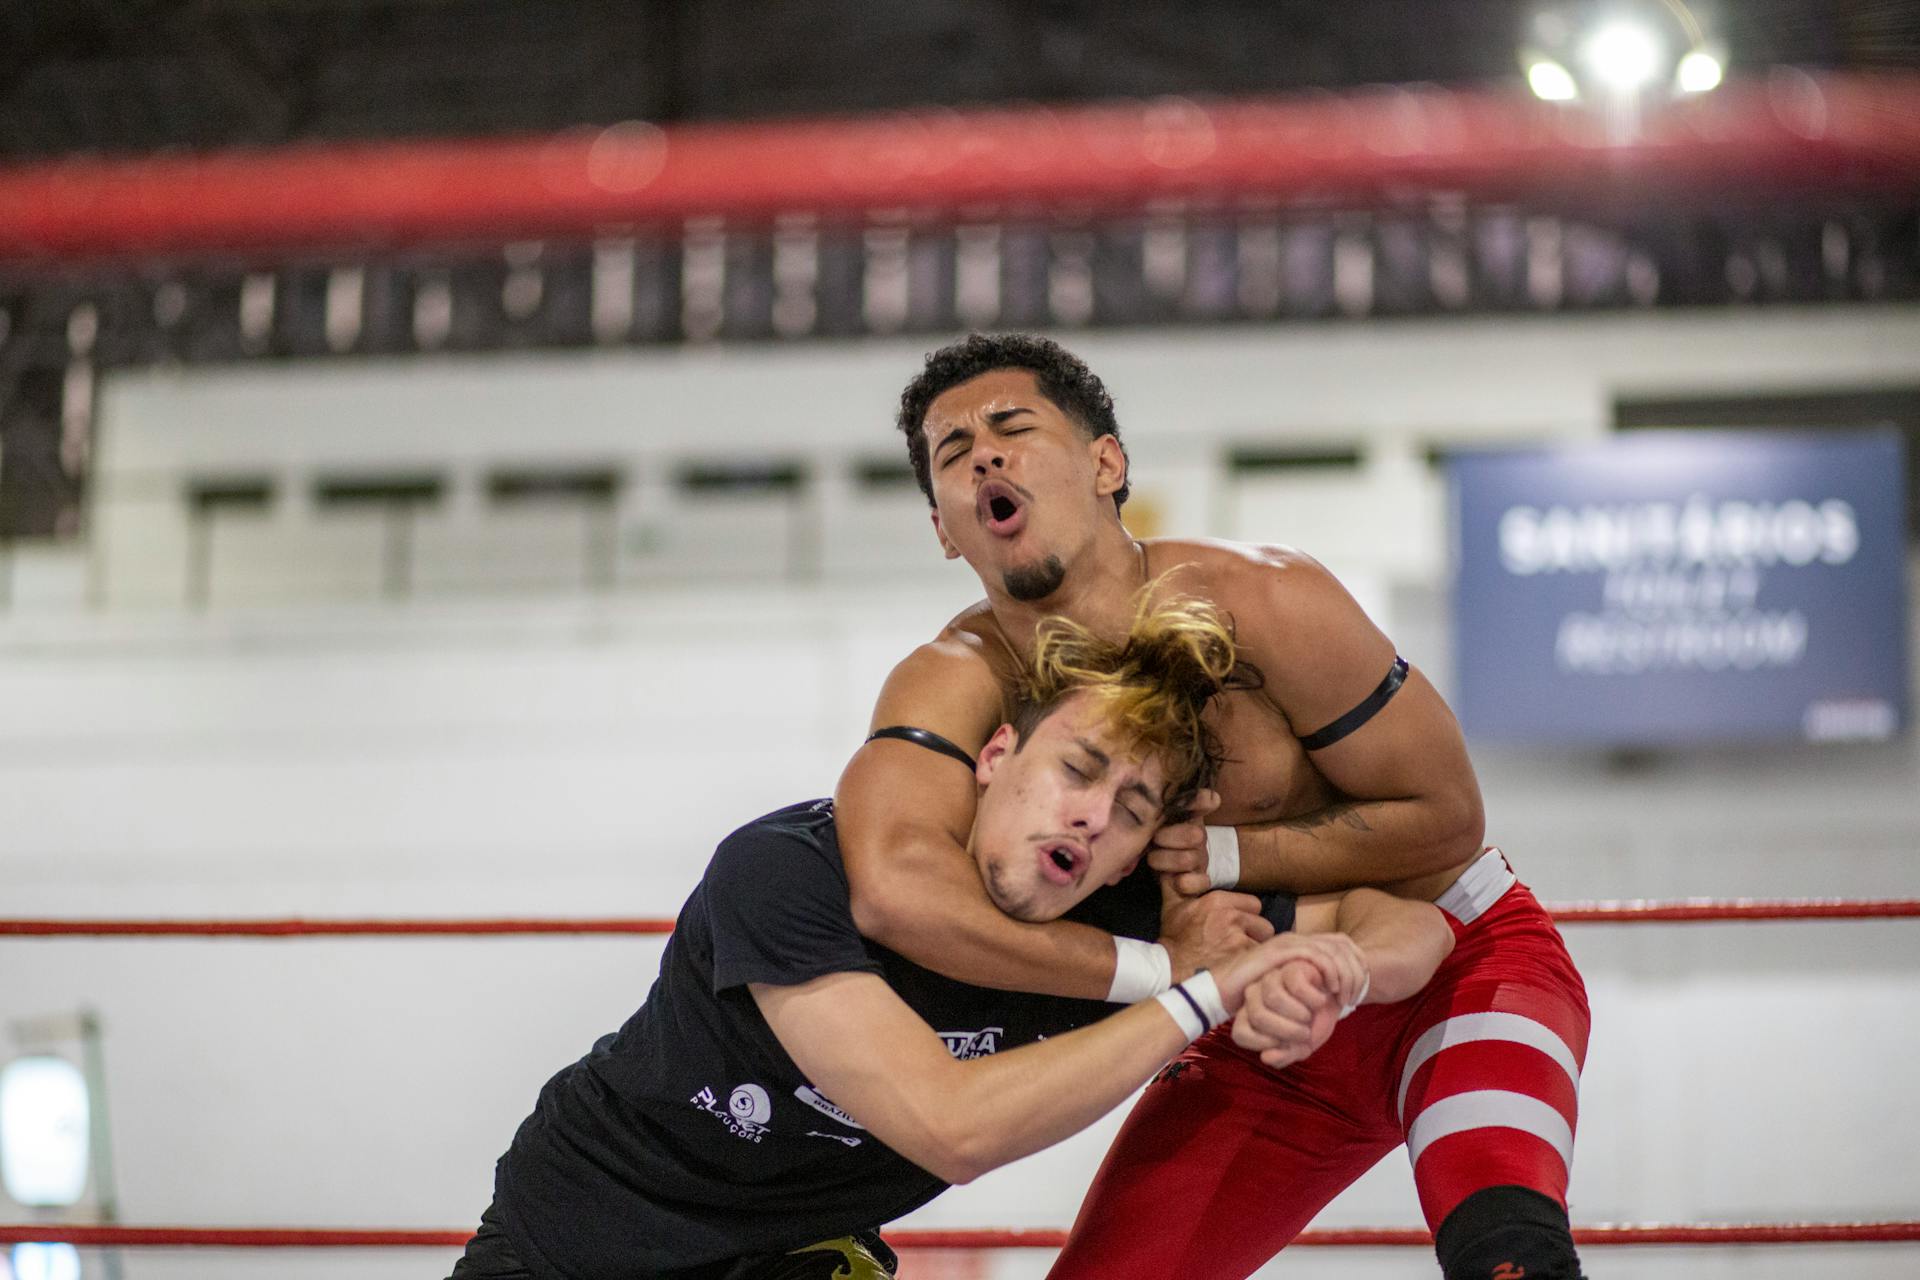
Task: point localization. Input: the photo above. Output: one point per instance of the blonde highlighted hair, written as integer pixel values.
(1151, 686)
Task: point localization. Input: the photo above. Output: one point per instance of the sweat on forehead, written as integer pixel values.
(1004, 404)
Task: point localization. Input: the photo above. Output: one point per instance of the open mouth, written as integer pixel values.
(1061, 863)
(1001, 507)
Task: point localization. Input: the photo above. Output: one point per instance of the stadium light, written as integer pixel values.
(1699, 71)
(1618, 59)
(1623, 56)
(1551, 82)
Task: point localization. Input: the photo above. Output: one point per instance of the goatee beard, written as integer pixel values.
(1035, 581)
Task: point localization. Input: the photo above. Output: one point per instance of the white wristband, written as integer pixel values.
(1141, 970)
(1366, 985)
(1195, 1005)
(1177, 1007)
(1223, 857)
(1203, 988)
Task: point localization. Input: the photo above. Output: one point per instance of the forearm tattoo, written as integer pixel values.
(1345, 812)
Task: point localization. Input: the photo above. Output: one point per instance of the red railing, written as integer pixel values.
(1833, 133)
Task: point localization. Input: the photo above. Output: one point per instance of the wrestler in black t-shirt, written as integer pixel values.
(689, 1137)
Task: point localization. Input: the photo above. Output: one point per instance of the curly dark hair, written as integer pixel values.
(1062, 376)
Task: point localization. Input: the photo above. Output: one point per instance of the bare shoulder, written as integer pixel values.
(956, 684)
(1309, 639)
(1244, 575)
(973, 647)
(973, 624)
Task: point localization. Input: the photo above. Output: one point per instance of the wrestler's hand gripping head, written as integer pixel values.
(1107, 742)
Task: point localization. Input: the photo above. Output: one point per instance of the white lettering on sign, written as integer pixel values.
(1698, 532)
(1843, 719)
(1613, 644)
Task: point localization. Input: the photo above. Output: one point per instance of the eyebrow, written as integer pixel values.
(958, 433)
(1104, 760)
(1102, 757)
(998, 418)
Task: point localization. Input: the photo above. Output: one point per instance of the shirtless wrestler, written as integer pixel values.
(788, 1087)
(1345, 767)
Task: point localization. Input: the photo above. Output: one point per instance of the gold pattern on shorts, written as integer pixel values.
(860, 1264)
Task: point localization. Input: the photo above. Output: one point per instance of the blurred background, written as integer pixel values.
(447, 468)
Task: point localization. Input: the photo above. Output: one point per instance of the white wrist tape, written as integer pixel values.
(1195, 1005)
(1141, 970)
(1181, 1011)
(1223, 857)
(1366, 985)
(1204, 989)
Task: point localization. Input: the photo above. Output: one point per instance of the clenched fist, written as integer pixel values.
(1287, 1013)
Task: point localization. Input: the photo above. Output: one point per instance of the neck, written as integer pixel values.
(1097, 592)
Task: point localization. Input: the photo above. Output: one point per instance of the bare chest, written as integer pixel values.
(1267, 775)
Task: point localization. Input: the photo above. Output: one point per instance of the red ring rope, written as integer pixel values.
(1722, 1234)
(294, 928)
(1698, 910)
(1689, 911)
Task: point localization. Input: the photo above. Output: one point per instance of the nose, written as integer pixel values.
(1091, 810)
(988, 456)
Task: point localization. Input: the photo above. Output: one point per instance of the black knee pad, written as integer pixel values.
(1507, 1233)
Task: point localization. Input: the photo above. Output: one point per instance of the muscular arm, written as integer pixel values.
(1410, 802)
(1402, 942)
(959, 1119)
(1368, 947)
(903, 814)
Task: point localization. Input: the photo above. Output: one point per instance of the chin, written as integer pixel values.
(1030, 907)
(1035, 580)
(1010, 901)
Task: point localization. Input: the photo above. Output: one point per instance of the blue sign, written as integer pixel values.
(1669, 587)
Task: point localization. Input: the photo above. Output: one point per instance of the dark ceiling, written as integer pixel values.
(140, 75)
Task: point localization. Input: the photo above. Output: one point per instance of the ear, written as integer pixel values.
(996, 750)
(1109, 466)
(953, 552)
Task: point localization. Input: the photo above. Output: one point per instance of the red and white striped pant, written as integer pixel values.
(1223, 1162)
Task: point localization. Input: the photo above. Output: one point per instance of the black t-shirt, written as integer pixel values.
(689, 1135)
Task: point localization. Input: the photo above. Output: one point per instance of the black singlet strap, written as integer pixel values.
(924, 738)
(1368, 708)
